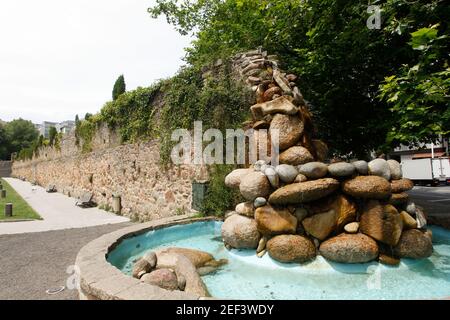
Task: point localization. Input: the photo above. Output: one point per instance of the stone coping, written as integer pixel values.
(99, 280)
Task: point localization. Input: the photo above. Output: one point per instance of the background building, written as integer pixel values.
(44, 128)
(63, 127)
(424, 151)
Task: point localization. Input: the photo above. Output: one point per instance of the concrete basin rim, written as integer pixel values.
(95, 271)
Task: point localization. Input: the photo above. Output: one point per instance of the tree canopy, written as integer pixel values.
(19, 134)
(418, 93)
(119, 87)
(4, 144)
(367, 87)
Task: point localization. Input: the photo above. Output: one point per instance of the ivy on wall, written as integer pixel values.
(219, 101)
(153, 112)
(132, 113)
(84, 133)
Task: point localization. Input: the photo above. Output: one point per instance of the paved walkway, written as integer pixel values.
(58, 211)
(31, 263)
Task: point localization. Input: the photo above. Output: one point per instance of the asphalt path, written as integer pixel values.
(32, 263)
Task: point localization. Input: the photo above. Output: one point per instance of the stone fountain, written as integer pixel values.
(304, 206)
(348, 212)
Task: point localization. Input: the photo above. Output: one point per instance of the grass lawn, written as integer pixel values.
(21, 209)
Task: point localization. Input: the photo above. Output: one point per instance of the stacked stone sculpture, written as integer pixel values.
(348, 212)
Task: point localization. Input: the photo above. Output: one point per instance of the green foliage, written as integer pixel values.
(181, 108)
(119, 87)
(340, 61)
(105, 207)
(219, 102)
(25, 154)
(41, 141)
(52, 135)
(28, 152)
(21, 134)
(4, 144)
(22, 210)
(84, 133)
(155, 111)
(219, 197)
(221, 27)
(419, 93)
(132, 113)
(77, 123)
(58, 141)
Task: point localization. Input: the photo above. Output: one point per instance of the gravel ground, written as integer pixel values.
(31, 263)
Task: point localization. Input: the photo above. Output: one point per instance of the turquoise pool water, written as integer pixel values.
(249, 277)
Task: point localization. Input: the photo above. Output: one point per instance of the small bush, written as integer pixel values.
(219, 197)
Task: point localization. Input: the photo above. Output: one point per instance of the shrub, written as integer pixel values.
(219, 197)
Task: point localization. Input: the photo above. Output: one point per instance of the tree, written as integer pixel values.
(21, 134)
(419, 94)
(4, 144)
(340, 61)
(52, 135)
(119, 87)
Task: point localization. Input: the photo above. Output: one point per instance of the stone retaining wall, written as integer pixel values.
(5, 168)
(130, 171)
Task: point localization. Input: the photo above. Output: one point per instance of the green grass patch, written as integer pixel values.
(21, 209)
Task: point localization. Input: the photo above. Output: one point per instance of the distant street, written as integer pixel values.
(435, 200)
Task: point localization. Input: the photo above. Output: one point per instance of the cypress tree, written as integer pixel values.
(119, 87)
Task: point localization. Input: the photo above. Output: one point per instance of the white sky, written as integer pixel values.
(59, 58)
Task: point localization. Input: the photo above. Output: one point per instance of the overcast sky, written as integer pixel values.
(59, 58)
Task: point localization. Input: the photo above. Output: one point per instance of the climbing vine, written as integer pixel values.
(216, 99)
(84, 133)
(212, 96)
(132, 113)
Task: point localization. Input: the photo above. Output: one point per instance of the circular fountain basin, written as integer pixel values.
(248, 277)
